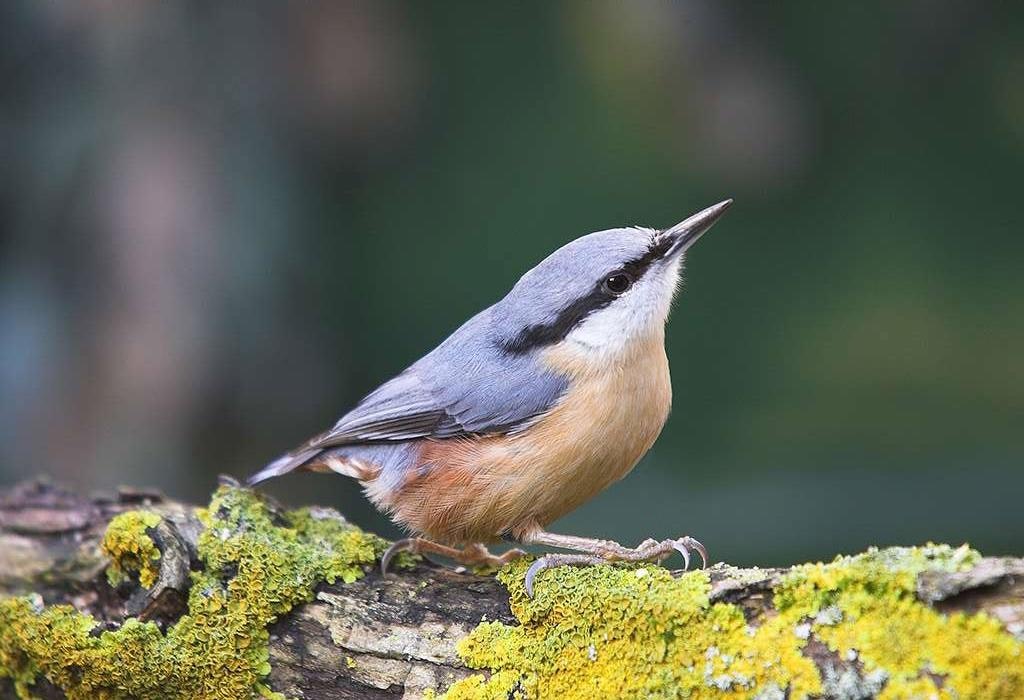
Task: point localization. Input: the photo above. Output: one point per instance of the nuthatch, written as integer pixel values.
(528, 410)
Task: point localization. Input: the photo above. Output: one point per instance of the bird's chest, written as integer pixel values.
(608, 419)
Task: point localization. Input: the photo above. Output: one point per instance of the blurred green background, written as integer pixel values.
(223, 223)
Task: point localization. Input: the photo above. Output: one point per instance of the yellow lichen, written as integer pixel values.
(256, 566)
(131, 549)
(606, 632)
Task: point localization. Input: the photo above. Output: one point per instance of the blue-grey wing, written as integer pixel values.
(401, 409)
(467, 386)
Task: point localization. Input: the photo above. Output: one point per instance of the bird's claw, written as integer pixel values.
(652, 550)
(648, 550)
(683, 545)
(684, 552)
(409, 544)
(689, 542)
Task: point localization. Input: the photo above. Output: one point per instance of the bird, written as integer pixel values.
(528, 410)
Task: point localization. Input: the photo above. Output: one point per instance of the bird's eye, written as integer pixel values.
(618, 283)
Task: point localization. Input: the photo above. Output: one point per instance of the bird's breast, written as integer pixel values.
(607, 421)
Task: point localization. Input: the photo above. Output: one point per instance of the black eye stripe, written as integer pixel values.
(567, 319)
(640, 265)
(595, 300)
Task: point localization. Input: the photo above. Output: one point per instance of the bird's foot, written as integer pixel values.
(605, 551)
(653, 550)
(471, 556)
(477, 556)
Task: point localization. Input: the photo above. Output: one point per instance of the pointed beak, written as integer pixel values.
(685, 233)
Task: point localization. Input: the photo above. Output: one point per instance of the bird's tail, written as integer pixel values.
(318, 460)
(283, 464)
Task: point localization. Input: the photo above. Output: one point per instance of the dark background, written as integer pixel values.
(223, 223)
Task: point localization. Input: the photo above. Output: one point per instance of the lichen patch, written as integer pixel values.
(606, 632)
(256, 565)
(131, 548)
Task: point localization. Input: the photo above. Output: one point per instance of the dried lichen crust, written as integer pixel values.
(257, 565)
(617, 632)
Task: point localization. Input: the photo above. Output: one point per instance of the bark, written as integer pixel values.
(379, 637)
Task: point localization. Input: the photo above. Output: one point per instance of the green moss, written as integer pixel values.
(640, 633)
(255, 568)
(131, 549)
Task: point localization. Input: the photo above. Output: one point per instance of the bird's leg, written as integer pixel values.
(478, 555)
(471, 555)
(601, 551)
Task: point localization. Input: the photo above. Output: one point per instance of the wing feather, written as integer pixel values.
(401, 409)
(465, 386)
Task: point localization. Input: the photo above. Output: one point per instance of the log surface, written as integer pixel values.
(380, 637)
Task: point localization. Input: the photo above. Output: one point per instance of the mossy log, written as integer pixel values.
(133, 595)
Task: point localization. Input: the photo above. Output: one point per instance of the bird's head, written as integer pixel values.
(601, 291)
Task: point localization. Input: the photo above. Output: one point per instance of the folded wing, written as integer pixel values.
(466, 386)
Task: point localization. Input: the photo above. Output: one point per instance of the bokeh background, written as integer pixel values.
(223, 223)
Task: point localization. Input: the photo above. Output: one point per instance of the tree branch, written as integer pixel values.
(396, 636)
